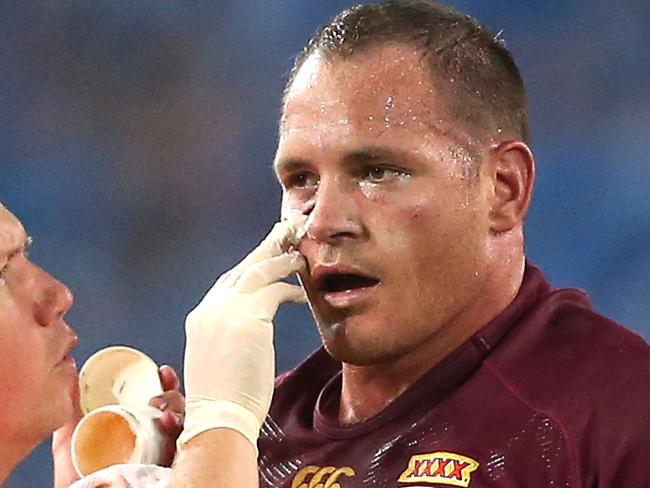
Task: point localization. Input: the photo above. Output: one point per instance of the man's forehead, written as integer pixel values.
(12, 232)
(383, 87)
(376, 63)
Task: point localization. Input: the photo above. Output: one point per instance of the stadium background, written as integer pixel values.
(137, 137)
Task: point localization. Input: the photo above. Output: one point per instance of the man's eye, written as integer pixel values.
(378, 174)
(301, 180)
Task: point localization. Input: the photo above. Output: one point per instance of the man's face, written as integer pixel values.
(398, 242)
(37, 376)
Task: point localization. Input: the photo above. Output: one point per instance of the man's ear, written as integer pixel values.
(513, 175)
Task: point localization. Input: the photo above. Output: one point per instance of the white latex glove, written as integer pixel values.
(229, 354)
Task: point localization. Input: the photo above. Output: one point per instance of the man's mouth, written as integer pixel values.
(66, 360)
(342, 289)
(337, 282)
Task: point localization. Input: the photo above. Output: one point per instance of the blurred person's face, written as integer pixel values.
(37, 376)
(398, 244)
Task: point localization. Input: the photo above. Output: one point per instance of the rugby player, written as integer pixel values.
(448, 359)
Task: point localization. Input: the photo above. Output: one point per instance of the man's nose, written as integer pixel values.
(333, 213)
(54, 301)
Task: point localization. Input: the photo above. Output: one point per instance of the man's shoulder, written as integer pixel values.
(575, 364)
(565, 331)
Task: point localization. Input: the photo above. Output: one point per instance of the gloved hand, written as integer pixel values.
(229, 354)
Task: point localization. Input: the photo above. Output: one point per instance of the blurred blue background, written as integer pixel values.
(137, 138)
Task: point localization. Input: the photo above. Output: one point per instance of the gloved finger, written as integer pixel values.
(287, 293)
(269, 271)
(271, 296)
(274, 244)
(224, 277)
(298, 219)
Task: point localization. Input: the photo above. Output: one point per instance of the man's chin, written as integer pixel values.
(356, 354)
(67, 408)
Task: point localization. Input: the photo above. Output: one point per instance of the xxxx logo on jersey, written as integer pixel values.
(317, 477)
(445, 468)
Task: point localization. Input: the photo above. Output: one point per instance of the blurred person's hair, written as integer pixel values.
(471, 66)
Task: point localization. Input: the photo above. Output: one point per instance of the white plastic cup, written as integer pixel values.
(116, 384)
(118, 375)
(116, 435)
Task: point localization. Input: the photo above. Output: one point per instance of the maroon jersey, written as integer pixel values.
(548, 394)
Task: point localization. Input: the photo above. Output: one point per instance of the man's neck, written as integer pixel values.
(367, 390)
(11, 454)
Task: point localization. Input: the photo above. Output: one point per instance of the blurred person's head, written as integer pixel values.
(404, 137)
(38, 378)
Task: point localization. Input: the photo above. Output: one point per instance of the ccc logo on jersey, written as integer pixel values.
(317, 477)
